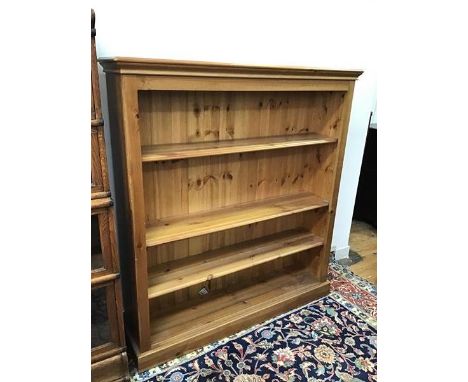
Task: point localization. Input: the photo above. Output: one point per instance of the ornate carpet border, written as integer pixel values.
(355, 279)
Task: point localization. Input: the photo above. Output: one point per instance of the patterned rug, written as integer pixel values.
(331, 339)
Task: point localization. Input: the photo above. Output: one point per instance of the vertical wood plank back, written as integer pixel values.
(187, 186)
(189, 117)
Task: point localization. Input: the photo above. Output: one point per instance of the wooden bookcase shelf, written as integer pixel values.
(179, 274)
(226, 186)
(170, 332)
(184, 227)
(156, 153)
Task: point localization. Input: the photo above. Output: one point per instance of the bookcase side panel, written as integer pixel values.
(123, 113)
(333, 187)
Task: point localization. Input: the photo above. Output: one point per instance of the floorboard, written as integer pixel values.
(363, 240)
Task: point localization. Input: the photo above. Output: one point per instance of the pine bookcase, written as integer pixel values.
(226, 180)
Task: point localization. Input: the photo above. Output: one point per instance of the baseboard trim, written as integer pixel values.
(342, 253)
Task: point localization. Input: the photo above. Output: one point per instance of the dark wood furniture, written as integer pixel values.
(108, 351)
(365, 207)
(226, 178)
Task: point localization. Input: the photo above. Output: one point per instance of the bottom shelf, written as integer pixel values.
(180, 331)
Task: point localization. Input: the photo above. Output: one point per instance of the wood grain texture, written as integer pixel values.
(171, 117)
(334, 184)
(202, 83)
(183, 273)
(228, 313)
(200, 224)
(109, 361)
(214, 159)
(363, 240)
(156, 153)
(97, 203)
(182, 187)
(108, 351)
(152, 66)
(97, 185)
(102, 277)
(244, 278)
(111, 369)
(99, 174)
(100, 195)
(197, 245)
(133, 166)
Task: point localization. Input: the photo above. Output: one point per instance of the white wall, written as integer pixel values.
(363, 103)
(329, 34)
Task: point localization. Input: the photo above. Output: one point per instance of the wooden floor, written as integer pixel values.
(363, 240)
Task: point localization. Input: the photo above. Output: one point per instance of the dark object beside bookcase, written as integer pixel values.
(365, 208)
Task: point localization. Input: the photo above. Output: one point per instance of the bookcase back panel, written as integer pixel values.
(168, 117)
(230, 283)
(196, 245)
(188, 186)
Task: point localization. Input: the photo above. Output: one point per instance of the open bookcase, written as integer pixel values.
(226, 185)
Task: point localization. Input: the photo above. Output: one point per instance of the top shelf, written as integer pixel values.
(155, 153)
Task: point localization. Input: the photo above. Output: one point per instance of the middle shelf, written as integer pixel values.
(178, 274)
(183, 227)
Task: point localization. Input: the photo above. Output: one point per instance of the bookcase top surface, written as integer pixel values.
(153, 66)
